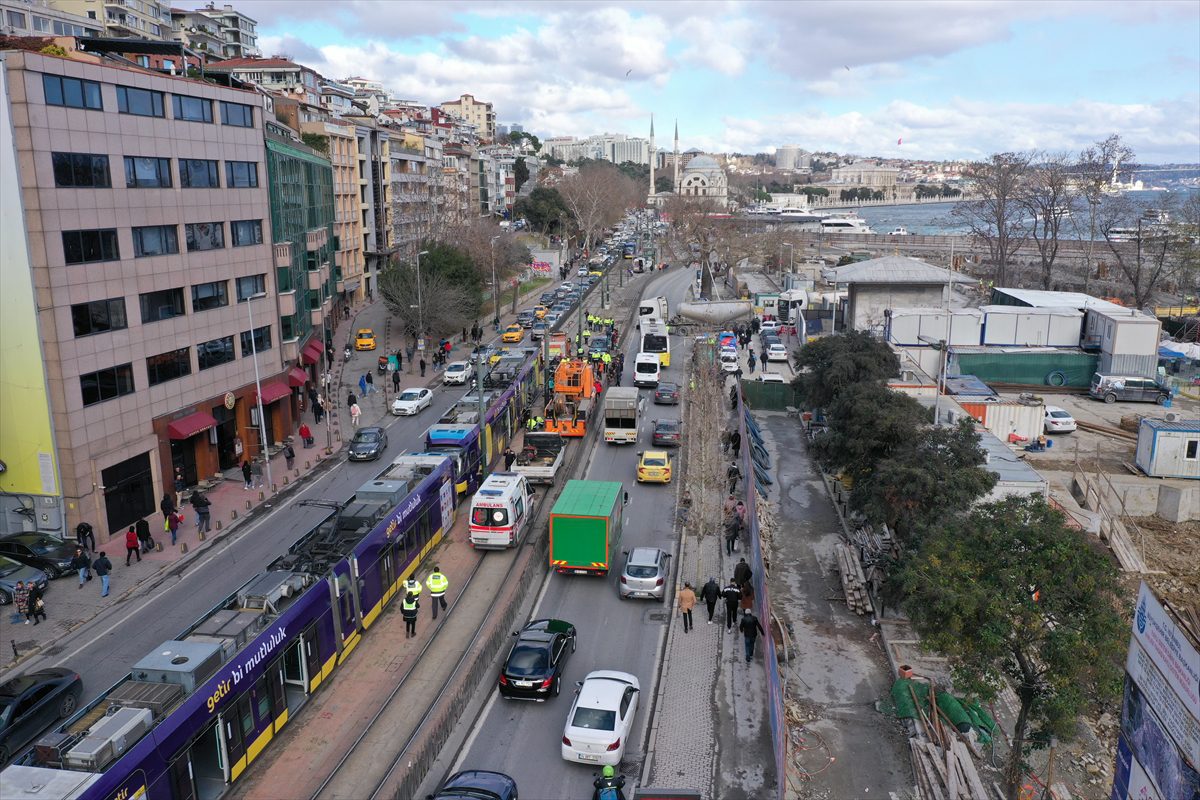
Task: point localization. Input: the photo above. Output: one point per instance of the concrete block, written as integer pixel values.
(202, 536)
(1179, 503)
(247, 505)
(219, 521)
(285, 480)
(183, 548)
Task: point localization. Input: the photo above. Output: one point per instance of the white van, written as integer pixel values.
(729, 360)
(645, 369)
(501, 511)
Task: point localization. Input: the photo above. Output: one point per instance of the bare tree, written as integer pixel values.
(442, 305)
(1095, 171)
(597, 196)
(997, 218)
(704, 236)
(1047, 195)
(1148, 251)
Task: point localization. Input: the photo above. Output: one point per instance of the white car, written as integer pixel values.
(601, 718)
(729, 360)
(769, 326)
(411, 401)
(776, 352)
(457, 372)
(1059, 420)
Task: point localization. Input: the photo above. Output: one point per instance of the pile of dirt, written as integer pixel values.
(1173, 548)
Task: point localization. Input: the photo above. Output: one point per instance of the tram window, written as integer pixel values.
(245, 716)
(263, 692)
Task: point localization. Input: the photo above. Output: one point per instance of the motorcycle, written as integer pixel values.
(383, 365)
(346, 353)
(607, 788)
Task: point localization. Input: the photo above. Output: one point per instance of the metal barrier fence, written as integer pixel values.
(770, 656)
(769, 396)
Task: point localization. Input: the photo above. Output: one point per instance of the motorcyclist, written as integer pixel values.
(610, 781)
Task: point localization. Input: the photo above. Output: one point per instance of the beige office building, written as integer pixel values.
(474, 112)
(148, 225)
(139, 19)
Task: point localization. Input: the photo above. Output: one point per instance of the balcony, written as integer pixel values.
(316, 239)
(283, 255)
(287, 303)
(315, 279)
(317, 316)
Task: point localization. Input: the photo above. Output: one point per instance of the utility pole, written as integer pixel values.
(479, 387)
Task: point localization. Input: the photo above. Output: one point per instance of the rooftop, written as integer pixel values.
(1040, 298)
(895, 269)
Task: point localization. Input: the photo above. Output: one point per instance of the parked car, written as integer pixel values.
(52, 556)
(32, 702)
(654, 466)
(477, 784)
(601, 718)
(667, 394)
(456, 373)
(525, 319)
(534, 667)
(412, 401)
(1111, 388)
(368, 444)
(769, 325)
(1058, 420)
(13, 571)
(364, 339)
(645, 573)
(776, 351)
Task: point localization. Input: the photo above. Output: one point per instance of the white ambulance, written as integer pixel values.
(501, 511)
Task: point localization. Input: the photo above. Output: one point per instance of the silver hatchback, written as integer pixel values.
(645, 573)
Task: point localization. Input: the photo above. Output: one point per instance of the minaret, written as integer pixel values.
(650, 197)
(677, 157)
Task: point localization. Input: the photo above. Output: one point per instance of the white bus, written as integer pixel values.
(656, 340)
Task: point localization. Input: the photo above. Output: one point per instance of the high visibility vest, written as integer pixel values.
(413, 585)
(587, 334)
(437, 584)
(408, 605)
(606, 358)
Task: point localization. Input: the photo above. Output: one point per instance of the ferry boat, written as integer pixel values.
(845, 224)
(800, 215)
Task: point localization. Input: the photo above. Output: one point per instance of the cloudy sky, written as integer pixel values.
(950, 79)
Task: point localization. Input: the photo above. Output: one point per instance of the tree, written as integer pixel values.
(832, 363)
(996, 218)
(702, 234)
(935, 476)
(316, 141)
(1156, 254)
(544, 208)
(868, 423)
(1047, 196)
(596, 197)
(1010, 593)
(520, 172)
(1095, 170)
(663, 183)
(446, 300)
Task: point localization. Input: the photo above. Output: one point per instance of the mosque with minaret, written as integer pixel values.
(700, 178)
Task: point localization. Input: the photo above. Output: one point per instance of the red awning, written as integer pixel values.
(312, 352)
(276, 390)
(297, 376)
(190, 425)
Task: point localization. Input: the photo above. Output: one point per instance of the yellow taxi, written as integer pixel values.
(498, 354)
(539, 312)
(364, 339)
(654, 466)
(596, 273)
(513, 334)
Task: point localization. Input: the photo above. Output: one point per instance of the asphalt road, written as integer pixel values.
(523, 739)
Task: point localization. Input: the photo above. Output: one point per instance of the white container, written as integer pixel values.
(907, 326)
(1031, 327)
(1163, 448)
(1126, 334)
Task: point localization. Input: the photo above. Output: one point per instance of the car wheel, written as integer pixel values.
(53, 572)
(5, 598)
(67, 706)
(1110, 398)
(556, 687)
(1162, 398)
(574, 642)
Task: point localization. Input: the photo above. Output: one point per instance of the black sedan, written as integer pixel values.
(534, 667)
(477, 784)
(667, 394)
(30, 703)
(52, 556)
(368, 444)
(668, 433)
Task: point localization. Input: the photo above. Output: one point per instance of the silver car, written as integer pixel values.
(645, 573)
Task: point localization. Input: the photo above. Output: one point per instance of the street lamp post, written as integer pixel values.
(495, 287)
(420, 305)
(262, 420)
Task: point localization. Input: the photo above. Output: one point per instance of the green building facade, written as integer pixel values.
(301, 189)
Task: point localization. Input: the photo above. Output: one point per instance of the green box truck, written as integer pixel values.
(585, 527)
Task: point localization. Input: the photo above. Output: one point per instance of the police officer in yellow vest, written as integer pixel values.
(408, 609)
(607, 359)
(437, 584)
(412, 586)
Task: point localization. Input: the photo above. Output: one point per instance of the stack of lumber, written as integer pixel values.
(946, 774)
(854, 582)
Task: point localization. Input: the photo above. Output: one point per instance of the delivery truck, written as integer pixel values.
(585, 527)
(622, 407)
(540, 455)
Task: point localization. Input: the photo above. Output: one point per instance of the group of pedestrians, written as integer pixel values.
(438, 584)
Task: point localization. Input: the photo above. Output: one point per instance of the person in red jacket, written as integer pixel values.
(132, 546)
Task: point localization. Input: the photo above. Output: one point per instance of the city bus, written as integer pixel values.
(655, 340)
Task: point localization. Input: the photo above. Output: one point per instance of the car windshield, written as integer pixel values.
(9, 567)
(637, 571)
(365, 334)
(666, 388)
(366, 436)
(667, 427)
(42, 545)
(527, 660)
(654, 462)
(456, 368)
(597, 719)
(414, 395)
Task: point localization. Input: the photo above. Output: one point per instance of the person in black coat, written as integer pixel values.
(143, 534)
(733, 596)
(34, 604)
(750, 628)
(711, 592)
(742, 573)
(167, 506)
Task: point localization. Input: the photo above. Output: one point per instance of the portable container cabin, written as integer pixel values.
(907, 326)
(1122, 332)
(1169, 448)
(1031, 327)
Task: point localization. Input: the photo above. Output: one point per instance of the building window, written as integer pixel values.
(143, 61)
(246, 232)
(142, 102)
(156, 240)
(237, 114)
(241, 174)
(106, 384)
(147, 173)
(168, 366)
(250, 286)
(81, 170)
(261, 342)
(16, 19)
(192, 109)
(169, 65)
(198, 173)
(41, 24)
(99, 316)
(157, 306)
(214, 353)
(85, 247)
(287, 328)
(1191, 451)
(207, 296)
(205, 236)
(71, 92)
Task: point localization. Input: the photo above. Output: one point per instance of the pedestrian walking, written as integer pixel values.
(256, 469)
(370, 384)
(246, 474)
(396, 381)
(711, 592)
(362, 385)
(408, 609)
(687, 601)
(103, 567)
(85, 537)
(730, 504)
(83, 565)
(143, 535)
(172, 525)
(289, 456)
(422, 366)
(306, 432)
(734, 474)
(740, 511)
(750, 628)
(413, 586)
(437, 585)
(34, 604)
(21, 599)
(133, 546)
(733, 396)
(747, 601)
(355, 413)
(735, 442)
(732, 530)
(202, 506)
(399, 360)
(351, 400)
(167, 505)
(752, 361)
(742, 573)
(732, 596)
(509, 458)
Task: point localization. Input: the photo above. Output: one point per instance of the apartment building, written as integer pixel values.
(239, 33)
(474, 112)
(348, 217)
(410, 193)
(275, 75)
(141, 19)
(199, 32)
(375, 190)
(41, 18)
(144, 200)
